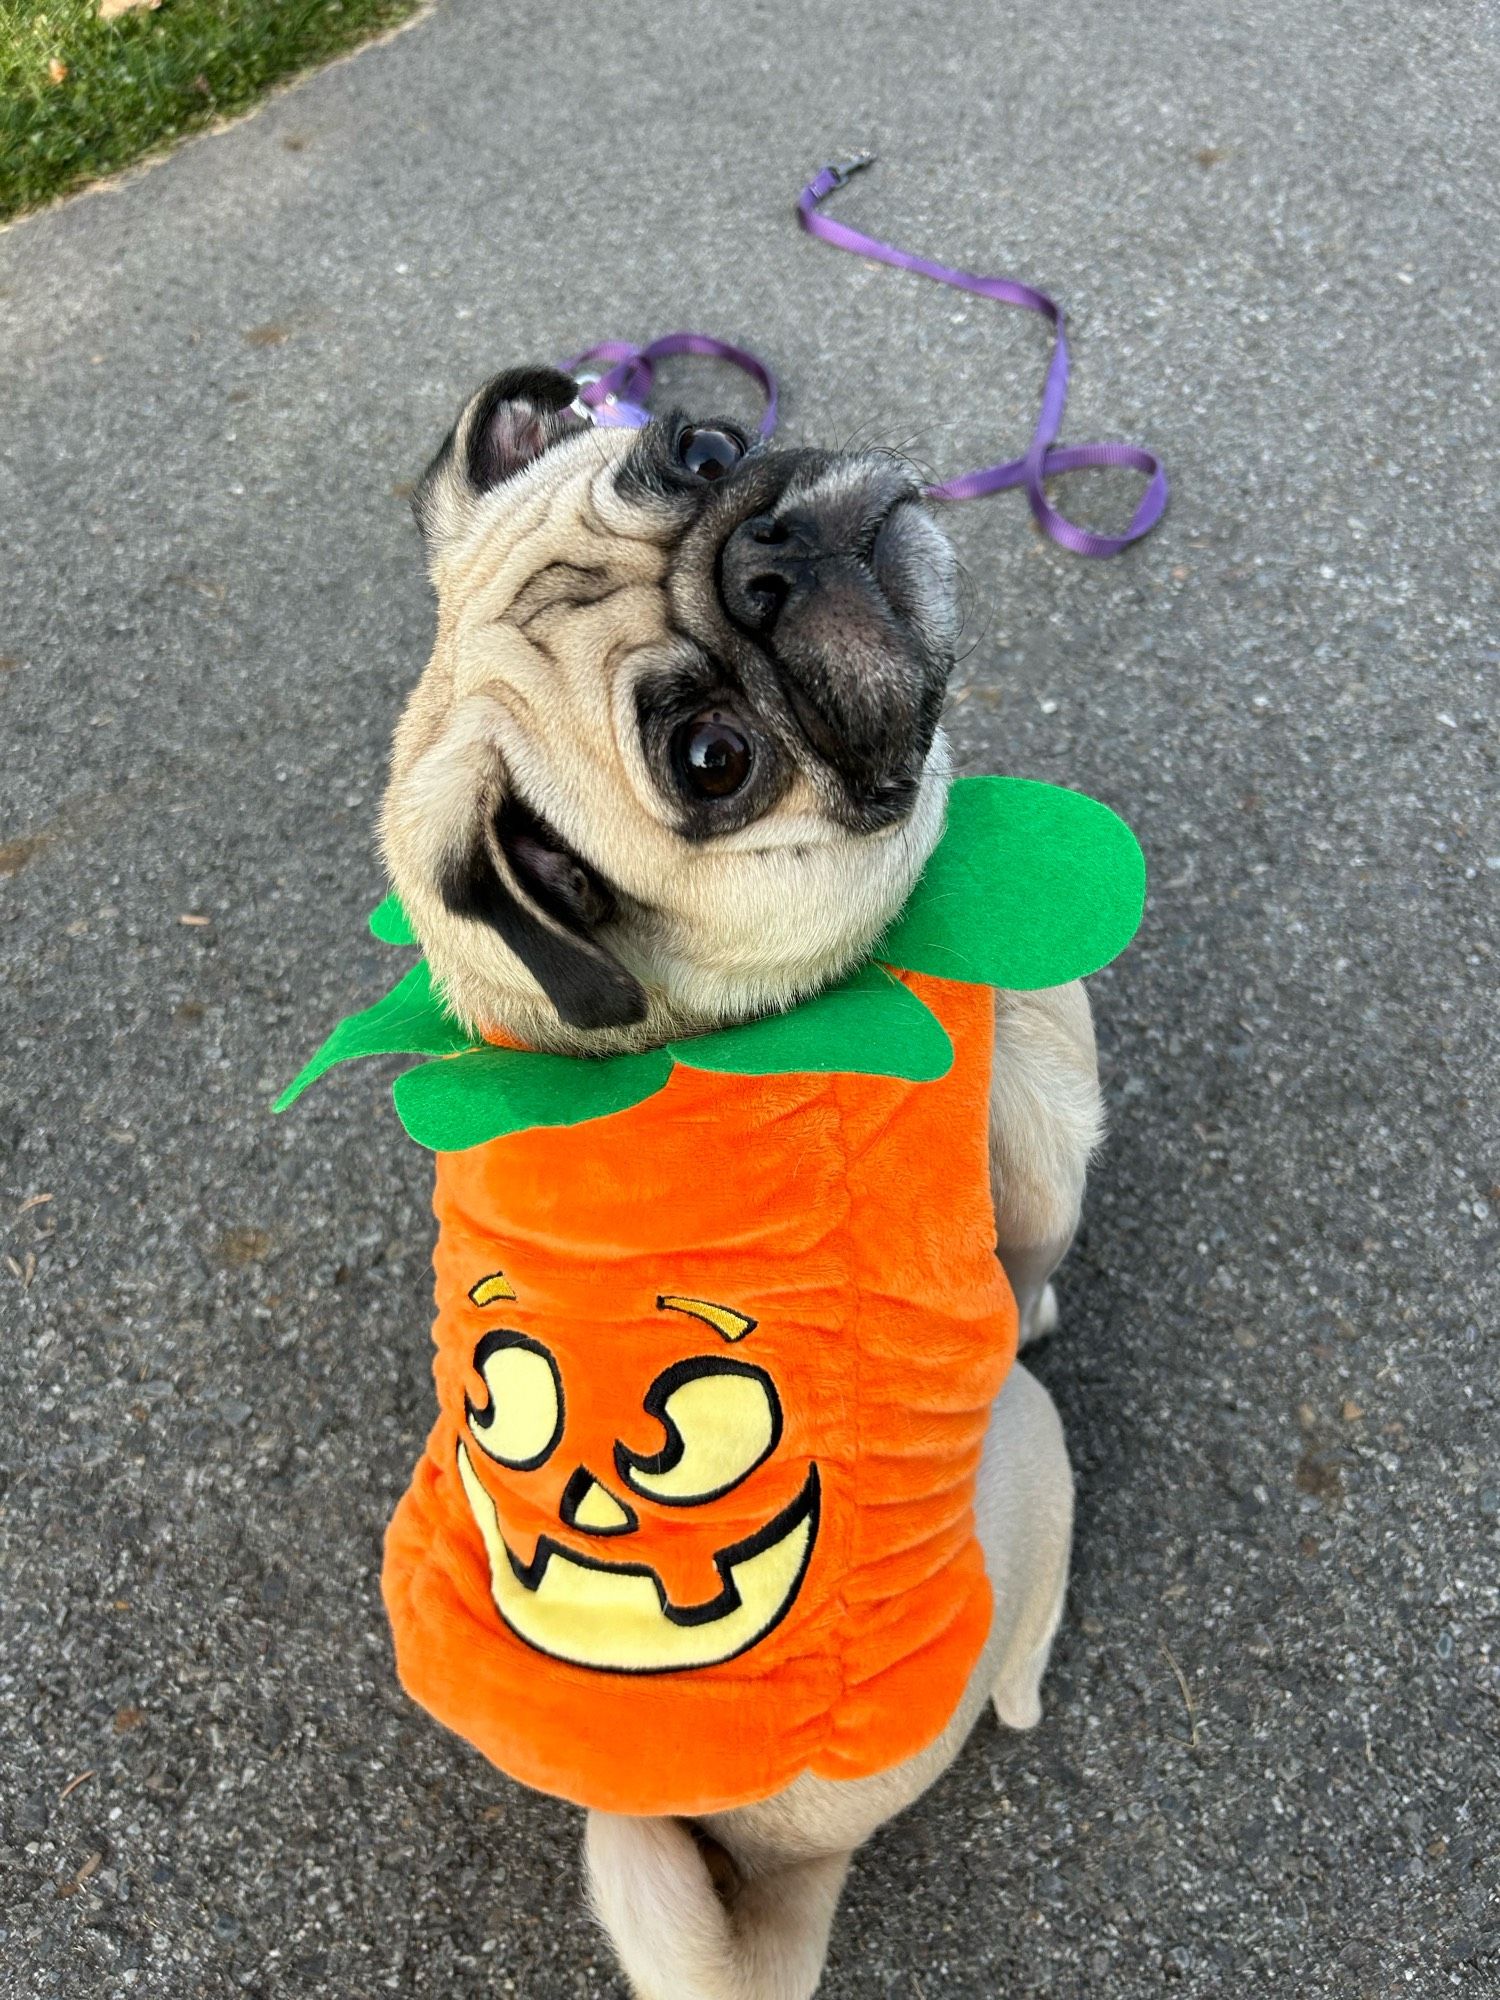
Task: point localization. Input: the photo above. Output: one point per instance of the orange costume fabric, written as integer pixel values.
(713, 1377)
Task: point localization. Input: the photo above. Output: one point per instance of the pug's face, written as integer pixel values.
(675, 758)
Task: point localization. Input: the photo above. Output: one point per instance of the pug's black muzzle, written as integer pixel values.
(847, 587)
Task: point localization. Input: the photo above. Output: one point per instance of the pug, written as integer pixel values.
(675, 764)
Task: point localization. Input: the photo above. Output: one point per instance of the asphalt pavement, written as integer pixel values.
(1270, 1759)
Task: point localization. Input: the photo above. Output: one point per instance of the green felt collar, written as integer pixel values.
(1029, 886)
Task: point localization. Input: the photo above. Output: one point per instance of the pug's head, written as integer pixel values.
(675, 759)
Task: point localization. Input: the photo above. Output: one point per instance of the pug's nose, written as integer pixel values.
(767, 561)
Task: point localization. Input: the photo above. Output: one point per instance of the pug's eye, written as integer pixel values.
(709, 454)
(712, 754)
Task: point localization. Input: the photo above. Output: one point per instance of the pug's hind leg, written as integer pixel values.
(1023, 1514)
(1046, 1120)
(691, 1921)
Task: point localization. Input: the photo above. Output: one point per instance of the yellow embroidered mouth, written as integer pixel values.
(616, 1617)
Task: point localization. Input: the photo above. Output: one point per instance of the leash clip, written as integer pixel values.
(580, 407)
(843, 171)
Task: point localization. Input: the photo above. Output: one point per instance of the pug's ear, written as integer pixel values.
(509, 423)
(545, 902)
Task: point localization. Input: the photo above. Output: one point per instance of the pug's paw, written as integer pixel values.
(1040, 1318)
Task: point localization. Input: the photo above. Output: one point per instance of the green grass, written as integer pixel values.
(80, 97)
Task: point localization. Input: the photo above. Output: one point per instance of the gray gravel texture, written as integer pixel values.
(1276, 227)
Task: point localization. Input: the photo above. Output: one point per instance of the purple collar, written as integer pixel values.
(617, 397)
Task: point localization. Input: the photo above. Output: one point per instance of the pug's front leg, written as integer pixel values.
(1046, 1121)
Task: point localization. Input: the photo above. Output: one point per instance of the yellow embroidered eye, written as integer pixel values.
(722, 1419)
(524, 1420)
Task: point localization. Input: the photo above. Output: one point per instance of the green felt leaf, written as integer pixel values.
(871, 1025)
(390, 923)
(1029, 886)
(449, 1106)
(410, 1020)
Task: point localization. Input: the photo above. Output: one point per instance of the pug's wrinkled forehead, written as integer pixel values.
(675, 758)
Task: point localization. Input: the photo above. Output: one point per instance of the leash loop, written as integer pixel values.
(618, 395)
(1043, 457)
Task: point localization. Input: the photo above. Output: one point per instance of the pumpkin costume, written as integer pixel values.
(719, 1328)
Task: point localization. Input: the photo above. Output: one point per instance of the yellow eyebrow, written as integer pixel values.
(723, 1319)
(488, 1290)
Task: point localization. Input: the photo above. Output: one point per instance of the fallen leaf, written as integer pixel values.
(205, 586)
(14, 854)
(57, 71)
(127, 1719)
(1351, 1412)
(269, 335)
(111, 10)
(244, 1246)
(1320, 1479)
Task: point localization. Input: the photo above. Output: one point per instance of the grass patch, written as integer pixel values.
(81, 97)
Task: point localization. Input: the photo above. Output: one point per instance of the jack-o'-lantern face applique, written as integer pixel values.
(542, 1442)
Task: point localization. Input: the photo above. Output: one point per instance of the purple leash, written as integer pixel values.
(617, 396)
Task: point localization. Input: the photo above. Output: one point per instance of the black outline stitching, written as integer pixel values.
(478, 1422)
(572, 1498)
(806, 1506)
(628, 1463)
